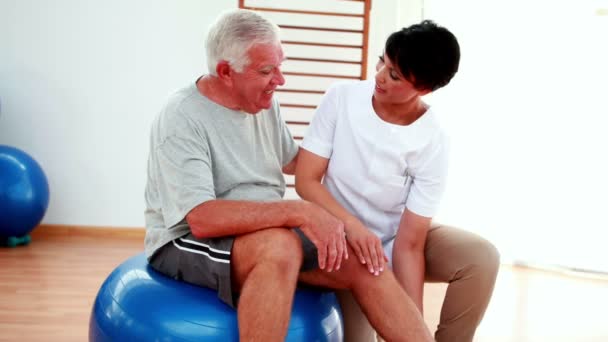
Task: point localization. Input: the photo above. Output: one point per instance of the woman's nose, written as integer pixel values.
(379, 77)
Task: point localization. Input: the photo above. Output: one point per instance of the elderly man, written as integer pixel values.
(214, 210)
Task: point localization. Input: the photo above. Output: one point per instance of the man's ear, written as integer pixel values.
(224, 71)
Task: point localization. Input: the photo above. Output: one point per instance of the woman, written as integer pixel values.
(376, 157)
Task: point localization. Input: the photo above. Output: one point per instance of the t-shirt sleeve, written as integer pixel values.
(320, 134)
(184, 177)
(289, 147)
(429, 181)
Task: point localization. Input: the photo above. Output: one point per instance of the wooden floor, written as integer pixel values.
(47, 290)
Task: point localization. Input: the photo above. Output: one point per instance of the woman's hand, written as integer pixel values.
(366, 245)
(326, 232)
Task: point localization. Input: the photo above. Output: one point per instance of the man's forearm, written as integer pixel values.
(226, 217)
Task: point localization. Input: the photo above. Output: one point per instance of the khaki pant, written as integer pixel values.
(467, 262)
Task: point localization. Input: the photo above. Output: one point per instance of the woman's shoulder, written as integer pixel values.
(351, 88)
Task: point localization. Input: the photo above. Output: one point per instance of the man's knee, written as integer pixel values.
(276, 248)
(281, 248)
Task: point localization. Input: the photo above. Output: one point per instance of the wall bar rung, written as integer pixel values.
(302, 59)
(322, 44)
(304, 123)
(292, 73)
(282, 10)
(302, 91)
(293, 105)
(327, 29)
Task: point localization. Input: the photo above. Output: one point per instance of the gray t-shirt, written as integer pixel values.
(200, 151)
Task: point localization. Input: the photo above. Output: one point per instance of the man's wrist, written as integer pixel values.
(297, 212)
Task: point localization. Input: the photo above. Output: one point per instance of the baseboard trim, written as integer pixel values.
(60, 229)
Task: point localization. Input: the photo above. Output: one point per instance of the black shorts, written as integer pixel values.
(206, 262)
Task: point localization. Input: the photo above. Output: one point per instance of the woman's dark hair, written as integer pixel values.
(426, 54)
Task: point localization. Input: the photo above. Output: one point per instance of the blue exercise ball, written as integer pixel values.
(24, 192)
(136, 303)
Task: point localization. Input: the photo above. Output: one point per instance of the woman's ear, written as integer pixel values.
(424, 92)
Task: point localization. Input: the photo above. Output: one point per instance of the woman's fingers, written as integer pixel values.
(357, 249)
(380, 253)
(368, 257)
(345, 247)
(369, 252)
(374, 256)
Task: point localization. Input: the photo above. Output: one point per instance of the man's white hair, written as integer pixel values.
(231, 36)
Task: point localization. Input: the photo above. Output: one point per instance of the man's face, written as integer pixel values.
(254, 87)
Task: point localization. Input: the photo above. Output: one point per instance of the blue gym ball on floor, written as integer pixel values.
(136, 303)
(24, 193)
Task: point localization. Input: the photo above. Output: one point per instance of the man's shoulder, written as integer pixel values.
(178, 116)
(188, 104)
(179, 97)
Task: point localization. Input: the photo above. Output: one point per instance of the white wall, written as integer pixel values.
(81, 80)
(527, 113)
(388, 16)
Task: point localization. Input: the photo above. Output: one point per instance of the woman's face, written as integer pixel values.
(391, 86)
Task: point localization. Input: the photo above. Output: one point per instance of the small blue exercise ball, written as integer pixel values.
(136, 303)
(24, 192)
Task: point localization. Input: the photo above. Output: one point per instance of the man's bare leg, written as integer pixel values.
(387, 306)
(265, 267)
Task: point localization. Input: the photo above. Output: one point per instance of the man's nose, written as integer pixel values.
(278, 77)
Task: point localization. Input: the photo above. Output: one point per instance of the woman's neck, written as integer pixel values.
(403, 114)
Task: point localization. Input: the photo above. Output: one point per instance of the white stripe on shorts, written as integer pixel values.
(204, 245)
(201, 252)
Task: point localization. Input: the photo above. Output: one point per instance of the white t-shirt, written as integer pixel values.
(376, 169)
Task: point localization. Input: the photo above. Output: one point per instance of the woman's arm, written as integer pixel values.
(408, 254)
(367, 246)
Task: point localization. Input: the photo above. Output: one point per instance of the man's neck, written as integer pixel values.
(211, 87)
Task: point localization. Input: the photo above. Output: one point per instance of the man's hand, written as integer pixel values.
(367, 246)
(327, 233)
